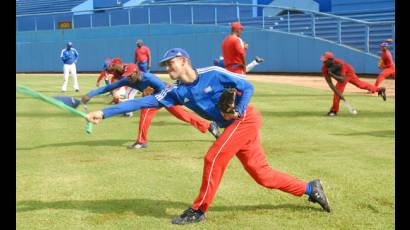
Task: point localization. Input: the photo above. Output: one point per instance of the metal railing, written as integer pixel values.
(360, 34)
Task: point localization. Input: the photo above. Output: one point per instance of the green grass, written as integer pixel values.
(66, 179)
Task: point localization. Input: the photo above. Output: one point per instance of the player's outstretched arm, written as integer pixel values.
(330, 83)
(104, 89)
(124, 107)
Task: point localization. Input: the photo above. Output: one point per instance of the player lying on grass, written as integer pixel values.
(148, 83)
(258, 60)
(205, 91)
(343, 73)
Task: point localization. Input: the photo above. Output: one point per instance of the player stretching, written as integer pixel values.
(386, 63)
(200, 90)
(148, 84)
(343, 73)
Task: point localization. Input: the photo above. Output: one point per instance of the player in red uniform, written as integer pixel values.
(142, 56)
(234, 50)
(109, 75)
(386, 63)
(343, 73)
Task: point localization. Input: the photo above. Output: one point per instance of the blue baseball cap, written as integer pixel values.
(172, 53)
(69, 44)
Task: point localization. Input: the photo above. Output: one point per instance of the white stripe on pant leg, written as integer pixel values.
(143, 122)
(213, 161)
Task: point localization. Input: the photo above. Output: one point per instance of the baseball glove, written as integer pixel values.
(380, 64)
(148, 91)
(226, 103)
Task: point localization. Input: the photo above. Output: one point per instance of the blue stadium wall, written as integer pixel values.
(40, 51)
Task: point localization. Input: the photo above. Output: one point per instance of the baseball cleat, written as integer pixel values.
(129, 114)
(382, 92)
(137, 145)
(189, 216)
(331, 114)
(213, 129)
(318, 195)
(259, 59)
(77, 90)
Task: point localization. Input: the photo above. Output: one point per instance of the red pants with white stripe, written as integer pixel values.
(352, 79)
(178, 111)
(385, 74)
(241, 139)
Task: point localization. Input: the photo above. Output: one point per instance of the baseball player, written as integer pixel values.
(234, 50)
(202, 91)
(69, 56)
(107, 74)
(149, 84)
(386, 63)
(343, 73)
(142, 56)
(220, 62)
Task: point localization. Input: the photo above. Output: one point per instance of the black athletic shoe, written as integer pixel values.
(259, 59)
(213, 129)
(189, 216)
(331, 114)
(137, 145)
(382, 93)
(318, 195)
(77, 90)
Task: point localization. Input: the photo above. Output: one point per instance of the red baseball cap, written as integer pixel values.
(116, 61)
(236, 26)
(326, 56)
(129, 69)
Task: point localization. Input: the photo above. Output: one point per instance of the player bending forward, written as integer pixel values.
(343, 73)
(201, 90)
(148, 83)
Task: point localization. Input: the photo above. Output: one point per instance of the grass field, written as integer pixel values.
(66, 179)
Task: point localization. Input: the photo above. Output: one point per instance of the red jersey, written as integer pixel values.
(387, 59)
(142, 54)
(233, 50)
(346, 69)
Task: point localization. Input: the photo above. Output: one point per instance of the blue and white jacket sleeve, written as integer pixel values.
(131, 105)
(62, 56)
(168, 96)
(108, 88)
(75, 55)
(241, 84)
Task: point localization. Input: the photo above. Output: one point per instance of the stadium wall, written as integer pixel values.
(40, 51)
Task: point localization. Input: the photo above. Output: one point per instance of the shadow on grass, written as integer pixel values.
(381, 133)
(362, 114)
(143, 207)
(106, 143)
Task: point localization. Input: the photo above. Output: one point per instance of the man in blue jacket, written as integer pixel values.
(69, 56)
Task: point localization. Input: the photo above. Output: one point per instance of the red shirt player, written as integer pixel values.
(343, 73)
(234, 50)
(108, 73)
(142, 56)
(386, 63)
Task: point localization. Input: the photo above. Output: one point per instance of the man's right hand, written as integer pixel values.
(95, 117)
(85, 99)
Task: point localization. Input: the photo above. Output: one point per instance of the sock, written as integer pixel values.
(308, 189)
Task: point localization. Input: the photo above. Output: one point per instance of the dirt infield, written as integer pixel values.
(320, 83)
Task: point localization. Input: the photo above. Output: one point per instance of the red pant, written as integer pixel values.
(235, 69)
(178, 111)
(241, 138)
(352, 79)
(384, 74)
